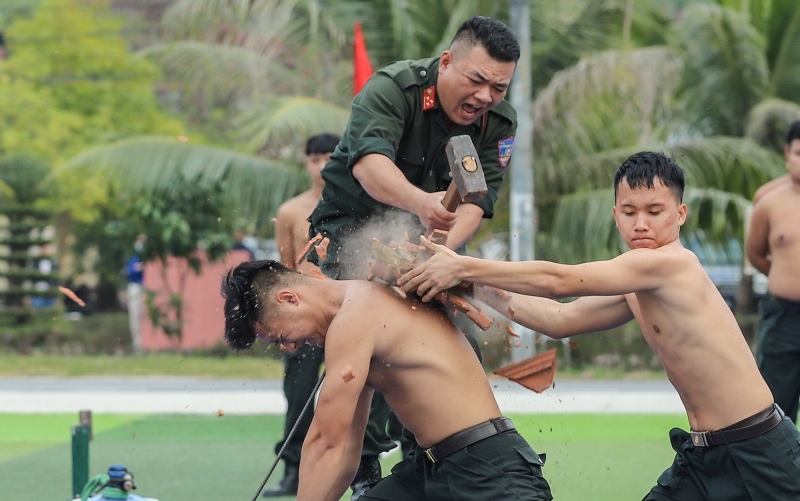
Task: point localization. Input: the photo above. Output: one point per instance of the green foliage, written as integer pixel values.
(150, 166)
(266, 73)
(70, 81)
(186, 218)
(25, 176)
(610, 101)
(726, 68)
(31, 122)
(108, 239)
(73, 48)
(12, 9)
(769, 121)
(783, 38)
(27, 243)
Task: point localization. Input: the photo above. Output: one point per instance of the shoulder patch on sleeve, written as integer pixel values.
(504, 147)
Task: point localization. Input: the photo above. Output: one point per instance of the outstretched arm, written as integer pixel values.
(633, 271)
(559, 320)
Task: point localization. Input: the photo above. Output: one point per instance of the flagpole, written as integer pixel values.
(523, 228)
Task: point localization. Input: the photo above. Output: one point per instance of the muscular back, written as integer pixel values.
(422, 364)
(694, 333)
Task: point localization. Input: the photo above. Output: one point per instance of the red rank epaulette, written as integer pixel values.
(428, 98)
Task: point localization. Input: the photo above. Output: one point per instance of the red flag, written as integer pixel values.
(362, 68)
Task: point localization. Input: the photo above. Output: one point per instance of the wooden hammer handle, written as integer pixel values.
(452, 198)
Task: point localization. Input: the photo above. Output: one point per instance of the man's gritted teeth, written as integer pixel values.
(470, 109)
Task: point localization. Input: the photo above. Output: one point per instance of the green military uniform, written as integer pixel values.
(301, 372)
(501, 467)
(779, 350)
(397, 115)
(765, 467)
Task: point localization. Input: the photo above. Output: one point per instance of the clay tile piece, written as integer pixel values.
(535, 373)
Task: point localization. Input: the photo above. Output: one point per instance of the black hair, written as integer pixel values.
(322, 143)
(793, 133)
(243, 289)
(641, 169)
(499, 41)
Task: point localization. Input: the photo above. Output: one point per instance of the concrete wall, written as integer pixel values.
(203, 316)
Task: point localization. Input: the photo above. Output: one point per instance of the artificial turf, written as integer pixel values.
(195, 458)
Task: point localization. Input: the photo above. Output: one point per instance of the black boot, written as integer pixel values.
(288, 484)
(368, 474)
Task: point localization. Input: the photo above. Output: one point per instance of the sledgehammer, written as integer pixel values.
(468, 184)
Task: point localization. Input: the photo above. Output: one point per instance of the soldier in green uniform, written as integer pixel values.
(388, 175)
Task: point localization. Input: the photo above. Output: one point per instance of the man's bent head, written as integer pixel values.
(245, 290)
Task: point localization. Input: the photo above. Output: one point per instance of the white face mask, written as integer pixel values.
(138, 247)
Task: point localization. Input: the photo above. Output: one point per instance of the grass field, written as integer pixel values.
(233, 366)
(157, 364)
(194, 458)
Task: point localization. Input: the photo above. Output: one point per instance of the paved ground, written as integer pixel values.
(203, 396)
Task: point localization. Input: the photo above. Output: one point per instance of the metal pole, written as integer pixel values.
(80, 457)
(523, 229)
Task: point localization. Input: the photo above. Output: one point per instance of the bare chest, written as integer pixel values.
(784, 228)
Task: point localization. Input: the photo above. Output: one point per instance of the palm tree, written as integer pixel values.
(694, 97)
(248, 57)
(280, 70)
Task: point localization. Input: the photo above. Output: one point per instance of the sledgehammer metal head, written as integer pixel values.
(465, 165)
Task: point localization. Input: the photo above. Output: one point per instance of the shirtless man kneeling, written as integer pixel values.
(414, 356)
(744, 447)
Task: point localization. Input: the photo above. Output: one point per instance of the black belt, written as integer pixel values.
(740, 431)
(463, 438)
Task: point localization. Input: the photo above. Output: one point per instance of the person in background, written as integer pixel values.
(47, 268)
(301, 367)
(773, 248)
(239, 243)
(134, 271)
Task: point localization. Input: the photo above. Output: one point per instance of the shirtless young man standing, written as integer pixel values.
(743, 447)
(773, 247)
(301, 367)
(412, 354)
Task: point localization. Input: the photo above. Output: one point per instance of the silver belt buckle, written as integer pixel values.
(699, 438)
(430, 455)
